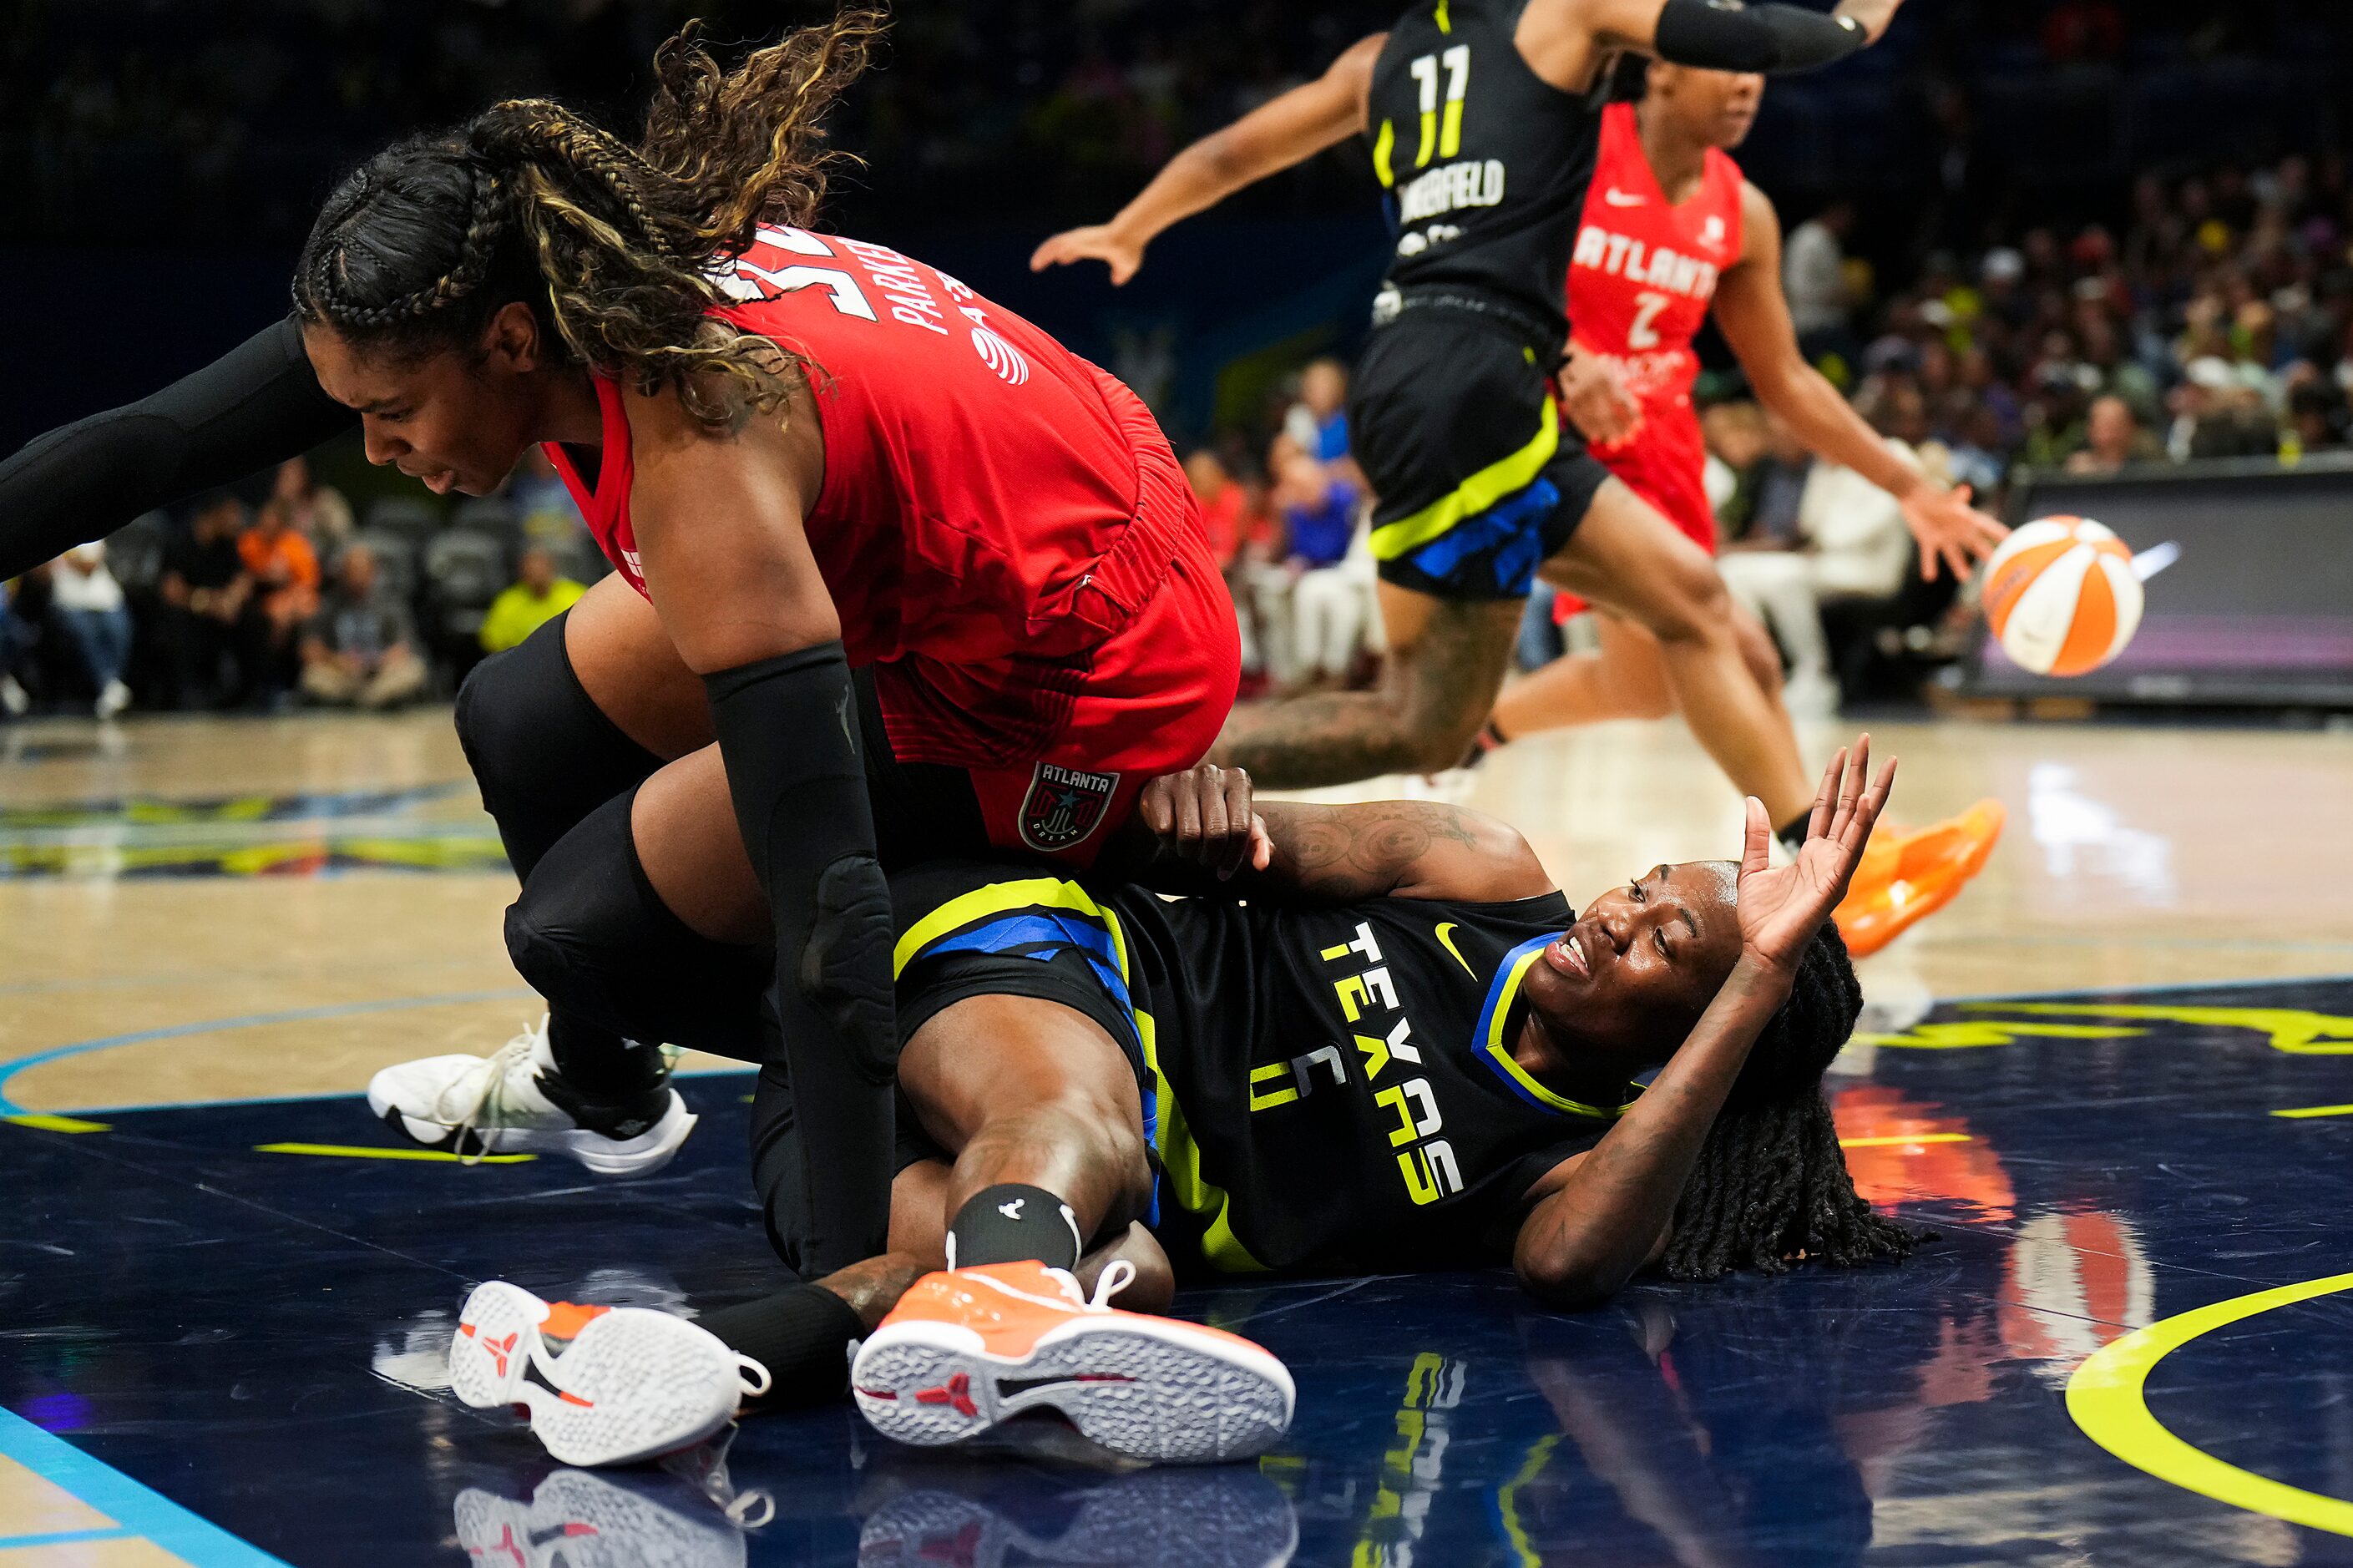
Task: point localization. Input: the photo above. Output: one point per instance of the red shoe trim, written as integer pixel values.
(956, 1391)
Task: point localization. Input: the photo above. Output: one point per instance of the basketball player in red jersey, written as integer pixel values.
(1671, 227)
(898, 575)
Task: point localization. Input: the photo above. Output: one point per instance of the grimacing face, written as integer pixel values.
(454, 420)
(1628, 981)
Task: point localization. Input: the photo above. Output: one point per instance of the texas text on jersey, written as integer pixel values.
(1336, 1084)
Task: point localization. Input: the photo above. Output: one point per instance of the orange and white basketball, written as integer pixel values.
(2062, 596)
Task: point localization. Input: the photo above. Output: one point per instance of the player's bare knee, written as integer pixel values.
(1691, 605)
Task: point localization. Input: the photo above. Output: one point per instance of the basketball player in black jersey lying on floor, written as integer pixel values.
(1404, 1051)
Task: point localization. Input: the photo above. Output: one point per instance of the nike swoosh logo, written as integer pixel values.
(1618, 198)
(1447, 942)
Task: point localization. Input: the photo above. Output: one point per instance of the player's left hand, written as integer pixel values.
(1781, 910)
(1204, 815)
(1949, 530)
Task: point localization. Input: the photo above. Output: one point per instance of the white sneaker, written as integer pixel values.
(514, 1102)
(603, 1385)
(13, 696)
(577, 1519)
(114, 699)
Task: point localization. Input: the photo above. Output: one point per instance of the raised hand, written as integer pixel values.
(1781, 910)
(1204, 814)
(1949, 530)
(1096, 242)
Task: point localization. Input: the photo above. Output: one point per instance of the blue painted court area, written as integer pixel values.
(244, 1345)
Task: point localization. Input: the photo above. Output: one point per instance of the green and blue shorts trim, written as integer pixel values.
(1454, 424)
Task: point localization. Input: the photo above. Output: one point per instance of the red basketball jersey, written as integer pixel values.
(1640, 283)
(993, 505)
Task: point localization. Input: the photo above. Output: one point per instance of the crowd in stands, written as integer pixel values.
(294, 601)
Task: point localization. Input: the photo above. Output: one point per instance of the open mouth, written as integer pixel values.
(1568, 955)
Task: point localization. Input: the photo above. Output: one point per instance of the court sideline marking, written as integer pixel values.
(113, 1507)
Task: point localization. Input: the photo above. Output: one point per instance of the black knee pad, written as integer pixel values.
(544, 753)
(591, 935)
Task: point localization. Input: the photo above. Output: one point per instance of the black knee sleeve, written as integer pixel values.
(787, 732)
(544, 753)
(591, 935)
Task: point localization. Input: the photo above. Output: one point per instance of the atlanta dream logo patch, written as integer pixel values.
(1064, 806)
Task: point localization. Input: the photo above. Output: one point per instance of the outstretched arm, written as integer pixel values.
(1285, 129)
(1204, 831)
(1604, 1215)
(1755, 317)
(258, 405)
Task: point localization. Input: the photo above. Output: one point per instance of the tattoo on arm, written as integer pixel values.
(1442, 687)
(1347, 852)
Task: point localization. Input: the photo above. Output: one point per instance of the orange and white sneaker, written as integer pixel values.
(1904, 880)
(602, 1386)
(967, 1348)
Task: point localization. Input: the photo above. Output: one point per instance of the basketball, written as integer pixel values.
(2060, 595)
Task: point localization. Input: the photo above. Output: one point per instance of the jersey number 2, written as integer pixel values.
(745, 280)
(1642, 334)
(1445, 141)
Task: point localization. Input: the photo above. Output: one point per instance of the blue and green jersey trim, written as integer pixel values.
(1494, 1051)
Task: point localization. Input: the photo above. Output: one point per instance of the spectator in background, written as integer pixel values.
(318, 512)
(550, 518)
(360, 648)
(2113, 439)
(2316, 417)
(87, 601)
(1330, 600)
(537, 597)
(207, 598)
(1813, 275)
(2216, 415)
(1224, 506)
(281, 571)
(1318, 422)
(1817, 532)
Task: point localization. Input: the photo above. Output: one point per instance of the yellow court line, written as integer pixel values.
(363, 1151)
(1903, 1138)
(48, 1123)
(2316, 1110)
(2106, 1398)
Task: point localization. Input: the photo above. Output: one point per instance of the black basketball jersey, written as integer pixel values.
(1486, 164)
(1335, 1086)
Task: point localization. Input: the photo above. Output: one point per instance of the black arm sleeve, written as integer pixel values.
(1777, 38)
(788, 734)
(258, 404)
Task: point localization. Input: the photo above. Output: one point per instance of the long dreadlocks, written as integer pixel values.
(1771, 1185)
(610, 243)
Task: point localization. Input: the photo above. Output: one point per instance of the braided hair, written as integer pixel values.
(1771, 1185)
(610, 244)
